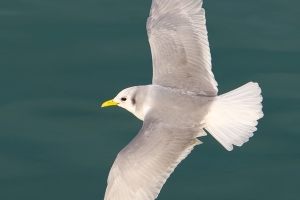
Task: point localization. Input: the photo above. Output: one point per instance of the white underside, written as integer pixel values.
(233, 115)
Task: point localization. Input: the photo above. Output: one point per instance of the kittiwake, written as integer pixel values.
(181, 102)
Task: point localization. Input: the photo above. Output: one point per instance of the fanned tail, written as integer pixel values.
(233, 115)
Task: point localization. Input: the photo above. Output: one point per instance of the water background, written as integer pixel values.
(59, 60)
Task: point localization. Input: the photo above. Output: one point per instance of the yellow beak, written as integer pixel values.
(109, 103)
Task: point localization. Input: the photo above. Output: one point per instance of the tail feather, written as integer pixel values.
(233, 115)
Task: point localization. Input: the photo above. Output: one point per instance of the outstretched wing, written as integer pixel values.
(143, 166)
(179, 46)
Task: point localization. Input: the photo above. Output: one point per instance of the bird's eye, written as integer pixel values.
(123, 99)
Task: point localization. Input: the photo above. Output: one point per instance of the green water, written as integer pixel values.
(59, 60)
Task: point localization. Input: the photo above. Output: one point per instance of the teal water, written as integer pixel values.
(59, 60)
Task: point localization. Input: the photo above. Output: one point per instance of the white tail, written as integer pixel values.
(233, 115)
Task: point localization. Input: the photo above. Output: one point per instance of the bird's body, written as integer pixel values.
(181, 102)
(159, 97)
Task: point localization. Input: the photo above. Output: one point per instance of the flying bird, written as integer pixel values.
(179, 105)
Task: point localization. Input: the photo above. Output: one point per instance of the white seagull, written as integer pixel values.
(181, 102)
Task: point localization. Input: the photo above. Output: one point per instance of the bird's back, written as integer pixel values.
(178, 106)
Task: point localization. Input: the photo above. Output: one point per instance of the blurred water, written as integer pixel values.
(59, 60)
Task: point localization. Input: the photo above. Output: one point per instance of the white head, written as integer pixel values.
(127, 99)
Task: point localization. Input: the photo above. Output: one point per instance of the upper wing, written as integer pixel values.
(143, 166)
(179, 46)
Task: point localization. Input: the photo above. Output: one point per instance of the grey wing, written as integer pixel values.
(179, 46)
(143, 166)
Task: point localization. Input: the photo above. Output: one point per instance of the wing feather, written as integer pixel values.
(179, 46)
(143, 166)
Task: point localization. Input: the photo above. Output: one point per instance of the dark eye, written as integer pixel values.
(123, 99)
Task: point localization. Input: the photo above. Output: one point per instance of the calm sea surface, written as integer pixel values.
(59, 60)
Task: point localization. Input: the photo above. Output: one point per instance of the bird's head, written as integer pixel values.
(125, 99)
